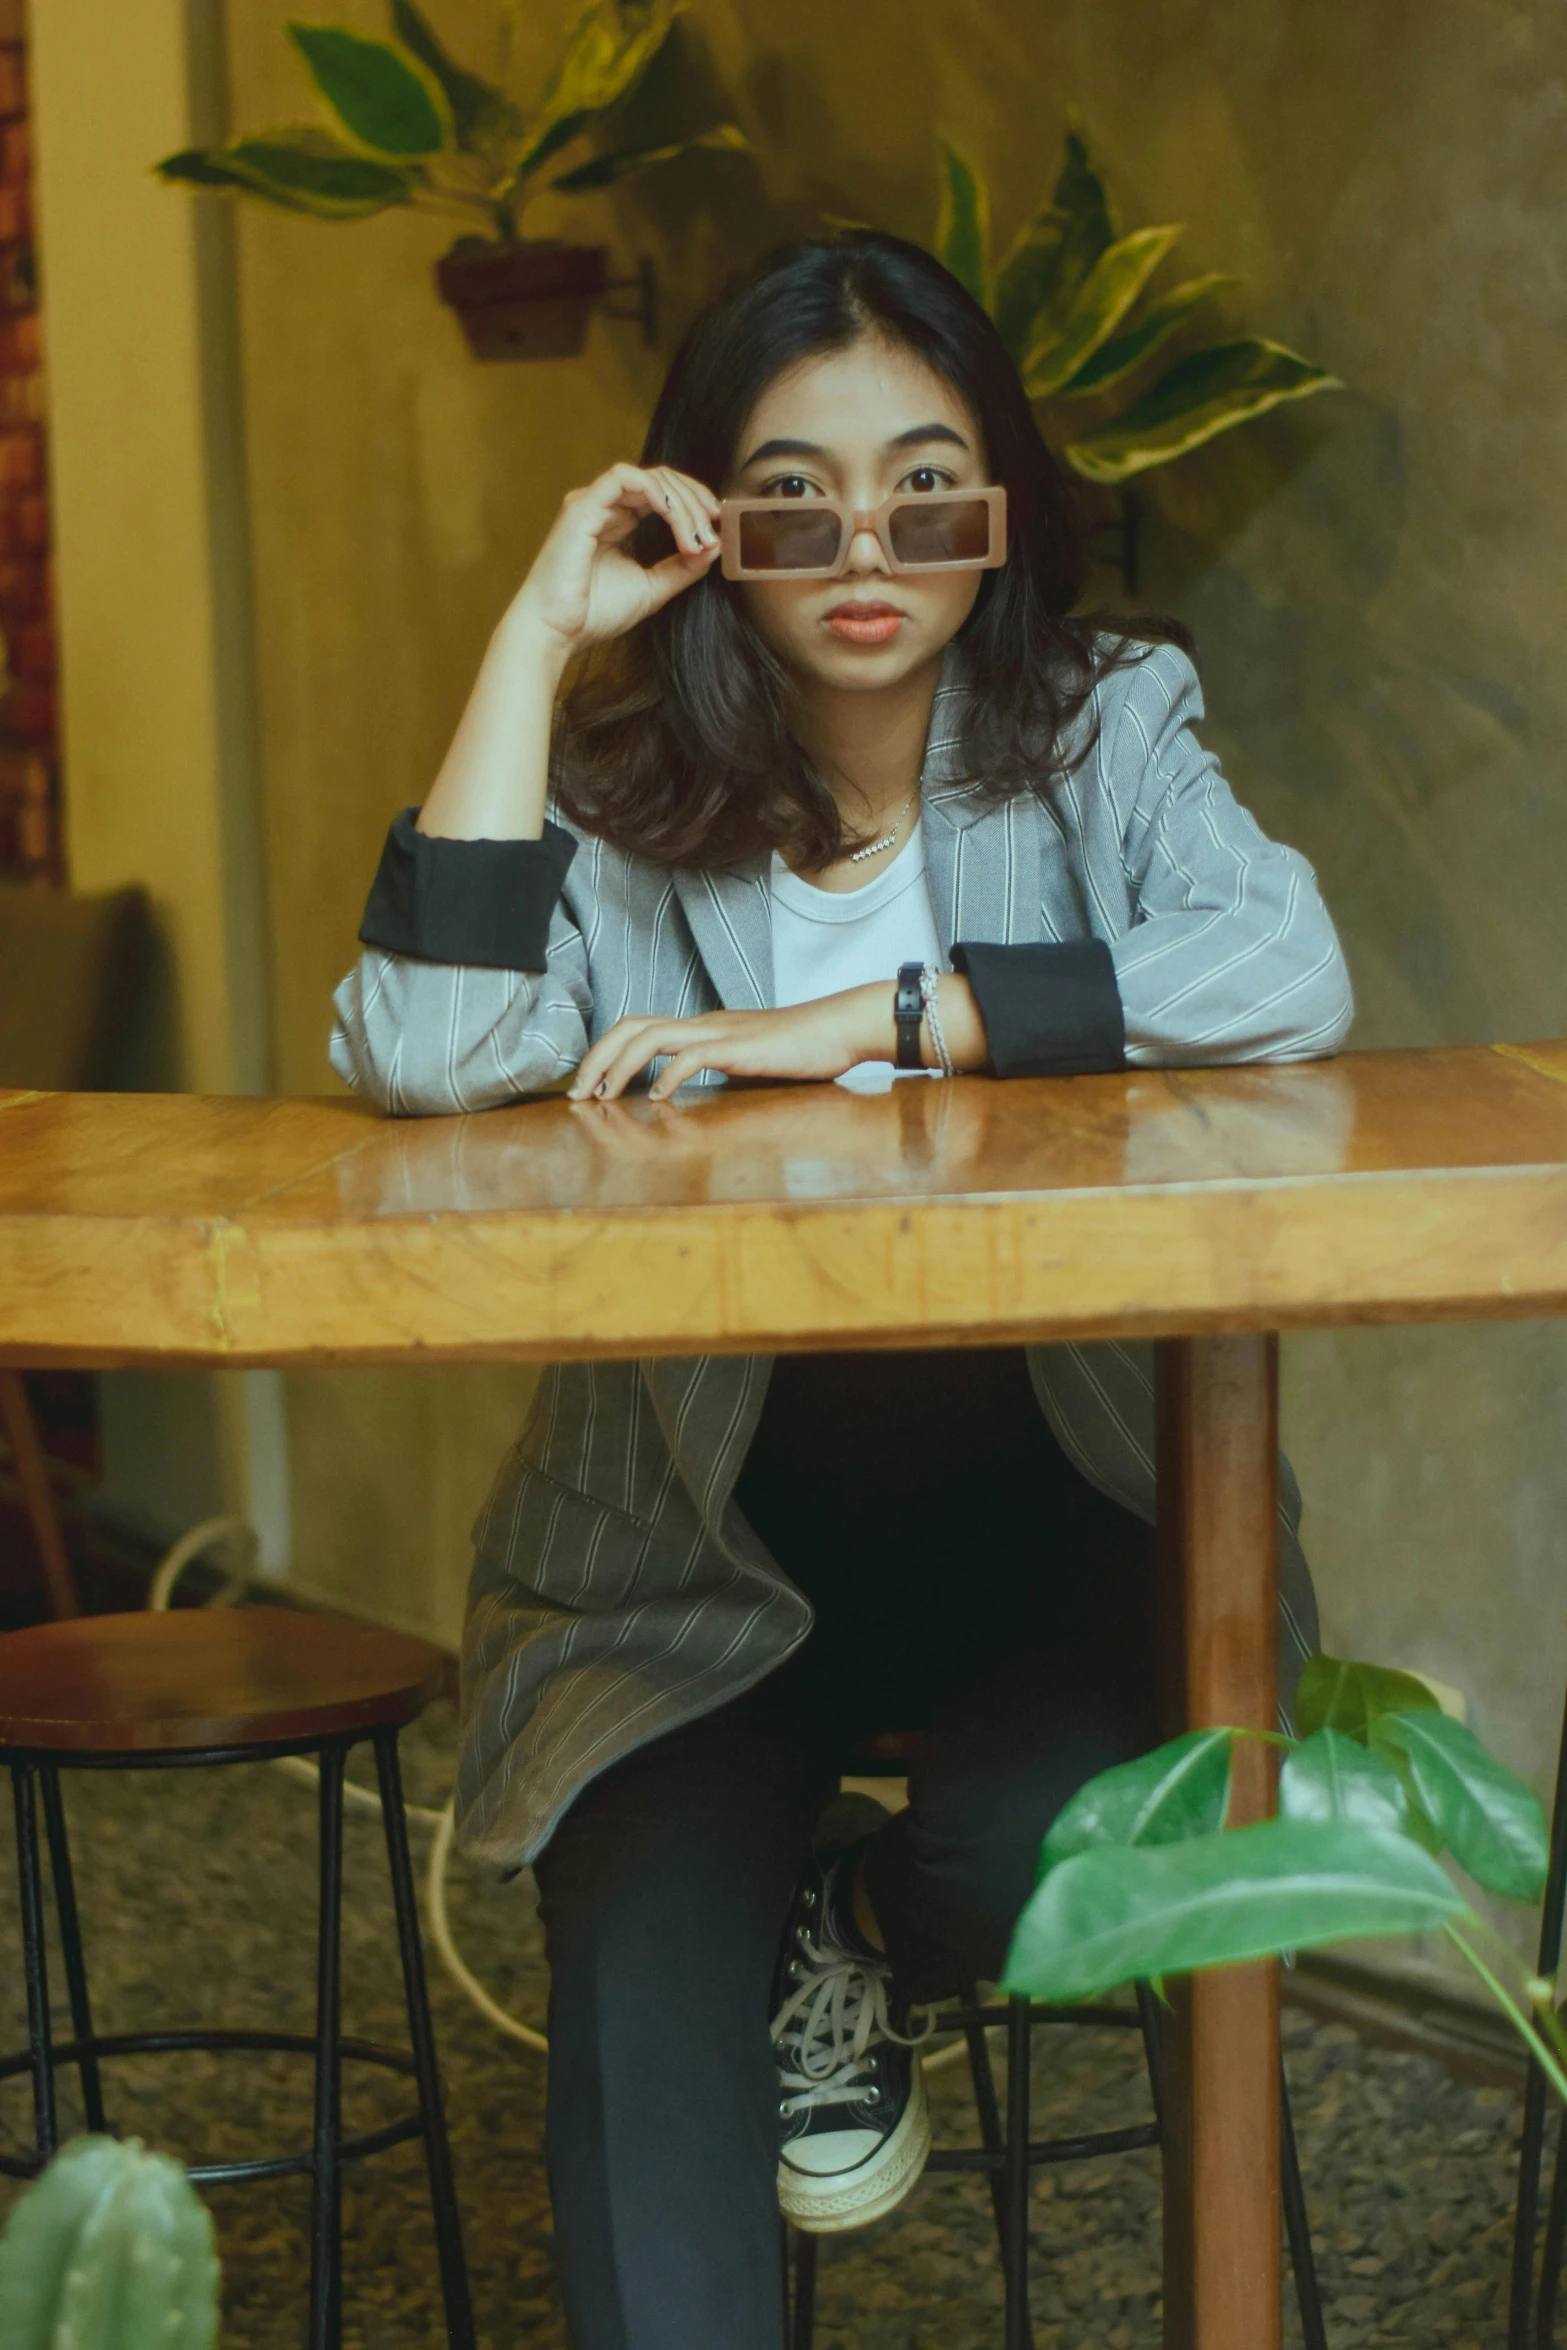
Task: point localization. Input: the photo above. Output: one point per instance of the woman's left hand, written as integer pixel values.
(820, 1039)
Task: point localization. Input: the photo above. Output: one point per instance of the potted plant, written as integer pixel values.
(1140, 1878)
(1071, 297)
(411, 127)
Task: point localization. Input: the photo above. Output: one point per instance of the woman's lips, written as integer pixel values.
(865, 624)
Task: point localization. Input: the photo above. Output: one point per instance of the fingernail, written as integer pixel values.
(598, 1090)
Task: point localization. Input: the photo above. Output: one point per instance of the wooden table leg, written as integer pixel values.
(1218, 1525)
(32, 1473)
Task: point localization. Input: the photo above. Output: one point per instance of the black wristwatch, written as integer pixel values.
(908, 1010)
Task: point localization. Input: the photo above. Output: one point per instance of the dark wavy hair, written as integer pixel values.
(676, 740)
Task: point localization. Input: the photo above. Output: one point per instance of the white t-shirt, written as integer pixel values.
(827, 940)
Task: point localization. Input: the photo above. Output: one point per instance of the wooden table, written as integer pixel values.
(1209, 1209)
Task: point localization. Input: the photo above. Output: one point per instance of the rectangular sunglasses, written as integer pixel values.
(809, 538)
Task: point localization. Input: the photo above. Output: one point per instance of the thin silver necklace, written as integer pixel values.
(875, 847)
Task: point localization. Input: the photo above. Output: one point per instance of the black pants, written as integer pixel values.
(666, 1886)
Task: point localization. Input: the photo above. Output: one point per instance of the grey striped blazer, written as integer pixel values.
(617, 1591)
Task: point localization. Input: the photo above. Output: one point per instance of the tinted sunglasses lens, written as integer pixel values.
(788, 538)
(956, 531)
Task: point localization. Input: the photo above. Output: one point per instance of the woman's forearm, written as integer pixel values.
(494, 780)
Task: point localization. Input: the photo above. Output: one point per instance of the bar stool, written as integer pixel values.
(1008, 2154)
(177, 1691)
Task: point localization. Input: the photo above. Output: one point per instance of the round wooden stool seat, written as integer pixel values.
(206, 1677)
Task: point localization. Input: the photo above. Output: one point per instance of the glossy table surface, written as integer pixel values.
(1378, 1187)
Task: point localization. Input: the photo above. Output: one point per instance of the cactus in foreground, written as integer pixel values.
(110, 2249)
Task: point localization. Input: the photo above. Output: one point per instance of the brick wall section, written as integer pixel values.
(30, 835)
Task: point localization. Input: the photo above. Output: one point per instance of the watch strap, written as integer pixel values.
(908, 1010)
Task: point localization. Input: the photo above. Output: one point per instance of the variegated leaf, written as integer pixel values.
(1106, 295)
(1052, 255)
(480, 113)
(378, 96)
(1206, 393)
(303, 170)
(608, 50)
(1147, 334)
(603, 171)
(963, 222)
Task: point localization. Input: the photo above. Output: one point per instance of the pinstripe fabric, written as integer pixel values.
(616, 1590)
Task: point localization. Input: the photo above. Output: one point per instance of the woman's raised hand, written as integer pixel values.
(584, 587)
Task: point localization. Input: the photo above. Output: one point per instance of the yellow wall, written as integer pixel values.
(149, 510)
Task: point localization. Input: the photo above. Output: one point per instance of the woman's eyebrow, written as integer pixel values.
(913, 438)
(783, 449)
(927, 432)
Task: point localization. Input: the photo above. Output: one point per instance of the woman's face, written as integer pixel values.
(857, 425)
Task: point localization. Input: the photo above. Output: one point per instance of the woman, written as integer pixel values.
(699, 1583)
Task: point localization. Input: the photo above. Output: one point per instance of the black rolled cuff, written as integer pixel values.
(487, 902)
(1049, 1011)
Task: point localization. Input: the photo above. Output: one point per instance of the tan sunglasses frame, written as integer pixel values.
(856, 519)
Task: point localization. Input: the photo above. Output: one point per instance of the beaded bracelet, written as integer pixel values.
(930, 982)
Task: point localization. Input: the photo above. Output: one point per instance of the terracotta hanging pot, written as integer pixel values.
(522, 301)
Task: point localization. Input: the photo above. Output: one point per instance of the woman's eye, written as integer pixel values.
(927, 477)
(789, 485)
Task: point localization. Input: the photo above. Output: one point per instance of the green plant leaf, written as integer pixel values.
(481, 114)
(1102, 301)
(608, 50)
(1334, 1694)
(1206, 393)
(1117, 1914)
(1052, 255)
(1145, 335)
(375, 93)
(202, 167)
(602, 171)
(963, 222)
(1181, 1789)
(309, 171)
(1329, 1777)
(1489, 1820)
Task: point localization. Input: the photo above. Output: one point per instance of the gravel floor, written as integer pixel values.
(197, 1895)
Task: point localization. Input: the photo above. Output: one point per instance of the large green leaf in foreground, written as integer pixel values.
(1120, 1915)
(1489, 1820)
(1205, 393)
(1335, 1694)
(1182, 1789)
(1328, 1777)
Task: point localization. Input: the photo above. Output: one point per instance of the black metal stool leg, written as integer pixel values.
(802, 2327)
(1532, 2147)
(437, 2150)
(1153, 2048)
(35, 1959)
(325, 2326)
(1551, 2255)
(988, 2107)
(71, 1948)
(1297, 2224)
(1014, 2244)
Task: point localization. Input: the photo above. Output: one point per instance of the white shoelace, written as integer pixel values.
(827, 2029)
